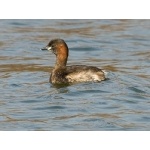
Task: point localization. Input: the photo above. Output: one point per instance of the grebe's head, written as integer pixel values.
(58, 47)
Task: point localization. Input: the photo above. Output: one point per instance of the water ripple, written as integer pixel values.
(29, 102)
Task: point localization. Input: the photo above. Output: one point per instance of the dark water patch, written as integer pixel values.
(67, 117)
(50, 108)
(137, 96)
(84, 49)
(92, 120)
(16, 23)
(135, 89)
(146, 119)
(16, 85)
(30, 101)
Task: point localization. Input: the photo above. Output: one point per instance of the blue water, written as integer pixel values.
(29, 102)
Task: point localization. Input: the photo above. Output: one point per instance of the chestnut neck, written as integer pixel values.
(60, 61)
(61, 57)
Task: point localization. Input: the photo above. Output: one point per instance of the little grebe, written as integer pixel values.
(62, 74)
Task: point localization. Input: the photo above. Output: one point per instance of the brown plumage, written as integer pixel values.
(62, 74)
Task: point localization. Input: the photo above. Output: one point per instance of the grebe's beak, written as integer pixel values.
(47, 48)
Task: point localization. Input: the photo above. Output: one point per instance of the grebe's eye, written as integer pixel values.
(53, 46)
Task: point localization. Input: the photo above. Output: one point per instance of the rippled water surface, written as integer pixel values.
(29, 102)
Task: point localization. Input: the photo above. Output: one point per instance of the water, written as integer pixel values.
(29, 102)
